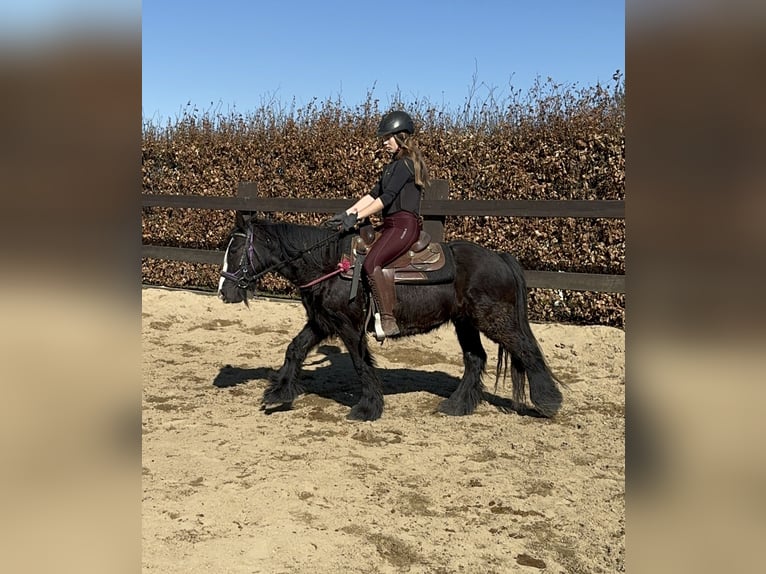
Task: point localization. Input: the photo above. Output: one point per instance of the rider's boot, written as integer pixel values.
(384, 293)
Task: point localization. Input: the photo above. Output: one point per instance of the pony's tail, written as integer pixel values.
(526, 358)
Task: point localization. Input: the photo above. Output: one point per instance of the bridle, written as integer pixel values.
(245, 276)
(242, 275)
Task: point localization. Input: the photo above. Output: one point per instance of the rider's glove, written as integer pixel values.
(335, 221)
(342, 221)
(348, 221)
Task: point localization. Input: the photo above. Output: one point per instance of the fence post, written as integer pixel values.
(247, 189)
(434, 224)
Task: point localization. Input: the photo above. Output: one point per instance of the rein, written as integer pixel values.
(343, 266)
(243, 277)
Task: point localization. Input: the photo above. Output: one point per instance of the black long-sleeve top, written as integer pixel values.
(396, 188)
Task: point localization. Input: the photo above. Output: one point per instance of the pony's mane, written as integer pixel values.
(316, 244)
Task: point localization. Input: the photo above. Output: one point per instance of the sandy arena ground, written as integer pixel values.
(228, 488)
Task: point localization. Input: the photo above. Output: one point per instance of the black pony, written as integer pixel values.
(488, 295)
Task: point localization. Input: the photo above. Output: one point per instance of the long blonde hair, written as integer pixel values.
(408, 148)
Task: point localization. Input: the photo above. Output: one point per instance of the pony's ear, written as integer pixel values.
(242, 218)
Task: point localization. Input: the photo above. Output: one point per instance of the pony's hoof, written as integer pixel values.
(276, 408)
(362, 413)
(546, 411)
(279, 395)
(454, 409)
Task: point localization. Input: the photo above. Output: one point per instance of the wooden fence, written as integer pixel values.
(434, 208)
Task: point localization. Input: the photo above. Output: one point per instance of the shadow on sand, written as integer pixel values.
(336, 380)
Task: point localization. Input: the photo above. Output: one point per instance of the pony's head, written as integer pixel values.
(257, 247)
(247, 255)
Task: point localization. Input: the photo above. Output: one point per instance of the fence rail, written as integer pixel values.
(434, 208)
(611, 209)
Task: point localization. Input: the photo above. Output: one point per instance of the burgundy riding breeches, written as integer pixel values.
(400, 231)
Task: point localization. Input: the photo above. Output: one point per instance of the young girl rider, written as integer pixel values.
(397, 195)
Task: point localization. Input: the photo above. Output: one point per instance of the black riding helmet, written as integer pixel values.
(395, 122)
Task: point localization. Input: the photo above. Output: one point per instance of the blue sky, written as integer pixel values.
(237, 55)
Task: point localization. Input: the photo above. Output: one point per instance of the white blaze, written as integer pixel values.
(225, 266)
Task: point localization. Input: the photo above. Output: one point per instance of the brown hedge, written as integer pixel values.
(555, 143)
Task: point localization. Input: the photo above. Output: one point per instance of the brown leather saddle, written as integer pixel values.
(424, 262)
